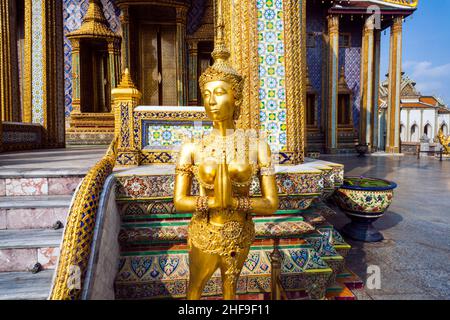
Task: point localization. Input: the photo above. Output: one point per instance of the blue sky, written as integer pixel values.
(426, 48)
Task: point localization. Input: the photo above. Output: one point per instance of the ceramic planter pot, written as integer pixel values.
(362, 149)
(364, 200)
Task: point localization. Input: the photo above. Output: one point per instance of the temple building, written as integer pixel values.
(421, 116)
(61, 59)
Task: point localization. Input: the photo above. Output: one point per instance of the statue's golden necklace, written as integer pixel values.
(214, 150)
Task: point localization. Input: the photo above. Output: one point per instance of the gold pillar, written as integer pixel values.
(126, 97)
(295, 63)
(113, 67)
(27, 114)
(241, 19)
(76, 103)
(114, 62)
(125, 21)
(9, 81)
(181, 55)
(53, 73)
(376, 80)
(333, 75)
(193, 73)
(395, 67)
(367, 85)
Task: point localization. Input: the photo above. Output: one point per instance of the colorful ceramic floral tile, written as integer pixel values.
(272, 72)
(365, 202)
(157, 186)
(176, 231)
(171, 265)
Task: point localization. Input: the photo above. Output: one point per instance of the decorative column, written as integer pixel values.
(395, 67)
(375, 85)
(241, 28)
(9, 81)
(333, 76)
(76, 104)
(114, 62)
(193, 73)
(125, 21)
(367, 85)
(126, 97)
(181, 55)
(295, 63)
(27, 114)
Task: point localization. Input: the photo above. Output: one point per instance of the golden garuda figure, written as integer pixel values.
(224, 163)
(444, 141)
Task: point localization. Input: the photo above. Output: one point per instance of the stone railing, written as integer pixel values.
(78, 234)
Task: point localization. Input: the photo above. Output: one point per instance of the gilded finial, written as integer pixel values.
(220, 52)
(126, 81)
(342, 83)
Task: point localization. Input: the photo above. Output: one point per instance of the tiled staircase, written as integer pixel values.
(33, 210)
(153, 259)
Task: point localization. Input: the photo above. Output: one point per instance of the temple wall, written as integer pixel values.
(350, 59)
(315, 55)
(421, 118)
(444, 119)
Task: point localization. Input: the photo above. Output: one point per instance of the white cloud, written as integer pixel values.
(431, 79)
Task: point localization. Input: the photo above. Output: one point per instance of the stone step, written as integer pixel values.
(20, 250)
(25, 285)
(33, 212)
(39, 183)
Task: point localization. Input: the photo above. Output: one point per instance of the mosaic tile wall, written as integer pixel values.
(316, 24)
(350, 58)
(37, 63)
(171, 133)
(272, 71)
(73, 13)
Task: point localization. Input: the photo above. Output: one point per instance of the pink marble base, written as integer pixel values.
(34, 218)
(2, 219)
(26, 187)
(2, 187)
(63, 186)
(17, 259)
(48, 257)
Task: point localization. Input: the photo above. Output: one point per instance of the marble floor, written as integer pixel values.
(414, 258)
(71, 160)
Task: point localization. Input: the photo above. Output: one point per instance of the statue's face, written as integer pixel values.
(219, 101)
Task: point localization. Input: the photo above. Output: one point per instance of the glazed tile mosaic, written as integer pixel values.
(175, 231)
(170, 134)
(166, 273)
(152, 186)
(272, 72)
(37, 63)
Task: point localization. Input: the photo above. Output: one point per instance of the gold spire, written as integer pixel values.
(94, 23)
(221, 69)
(342, 84)
(309, 87)
(126, 81)
(221, 52)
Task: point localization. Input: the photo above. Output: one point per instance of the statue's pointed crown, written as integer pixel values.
(221, 69)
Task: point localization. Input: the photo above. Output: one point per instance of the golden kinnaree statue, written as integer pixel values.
(444, 141)
(224, 164)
